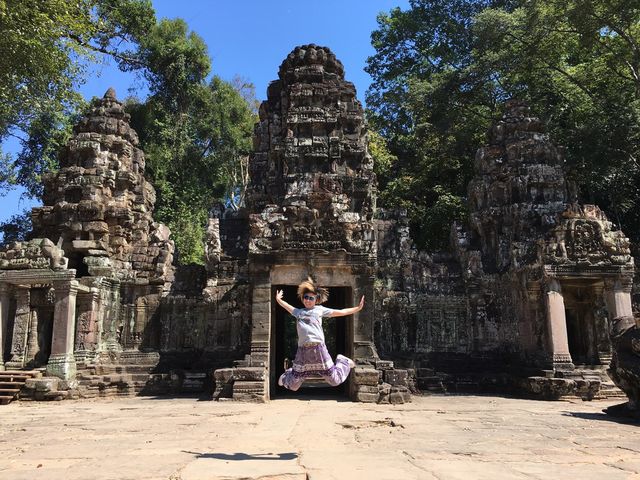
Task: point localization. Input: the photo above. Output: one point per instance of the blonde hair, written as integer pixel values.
(310, 286)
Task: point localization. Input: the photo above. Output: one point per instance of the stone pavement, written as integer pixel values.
(435, 437)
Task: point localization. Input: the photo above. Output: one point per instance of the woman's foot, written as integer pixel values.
(281, 380)
(346, 359)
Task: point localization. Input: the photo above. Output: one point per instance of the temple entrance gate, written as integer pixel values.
(284, 338)
(587, 324)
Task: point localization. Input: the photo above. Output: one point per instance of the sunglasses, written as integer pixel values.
(310, 297)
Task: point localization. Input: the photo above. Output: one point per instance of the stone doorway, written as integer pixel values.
(284, 340)
(44, 336)
(40, 333)
(585, 333)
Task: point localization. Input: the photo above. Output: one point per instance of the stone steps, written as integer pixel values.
(126, 380)
(12, 381)
(610, 390)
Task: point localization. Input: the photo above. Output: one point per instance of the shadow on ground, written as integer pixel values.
(601, 417)
(245, 456)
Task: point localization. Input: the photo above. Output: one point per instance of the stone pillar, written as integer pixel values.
(62, 362)
(260, 331)
(112, 316)
(4, 319)
(87, 332)
(32, 340)
(601, 323)
(136, 334)
(618, 297)
(363, 342)
(557, 327)
(534, 316)
(261, 321)
(20, 328)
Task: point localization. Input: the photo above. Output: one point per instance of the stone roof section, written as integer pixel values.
(311, 177)
(99, 207)
(108, 117)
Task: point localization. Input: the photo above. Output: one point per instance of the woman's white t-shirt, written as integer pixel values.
(309, 323)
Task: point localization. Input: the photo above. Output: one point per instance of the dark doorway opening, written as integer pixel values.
(7, 333)
(40, 327)
(76, 261)
(45, 336)
(582, 333)
(285, 340)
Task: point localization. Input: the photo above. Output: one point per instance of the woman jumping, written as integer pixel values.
(312, 358)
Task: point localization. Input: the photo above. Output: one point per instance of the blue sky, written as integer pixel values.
(251, 38)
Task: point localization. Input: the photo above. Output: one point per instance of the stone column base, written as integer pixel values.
(62, 366)
(2, 369)
(85, 356)
(244, 384)
(562, 362)
(14, 365)
(365, 351)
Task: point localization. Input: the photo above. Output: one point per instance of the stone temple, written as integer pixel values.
(93, 305)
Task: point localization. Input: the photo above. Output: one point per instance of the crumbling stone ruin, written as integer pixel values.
(311, 203)
(534, 282)
(523, 301)
(625, 365)
(87, 287)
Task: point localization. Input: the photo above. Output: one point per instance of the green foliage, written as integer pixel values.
(443, 68)
(431, 107)
(577, 63)
(383, 159)
(196, 135)
(47, 48)
(16, 229)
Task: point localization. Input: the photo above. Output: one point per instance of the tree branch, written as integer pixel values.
(105, 51)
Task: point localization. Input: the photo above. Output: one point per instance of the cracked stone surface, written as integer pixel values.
(435, 437)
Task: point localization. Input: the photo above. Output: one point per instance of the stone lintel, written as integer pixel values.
(591, 271)
(36, 276)
(320, 258)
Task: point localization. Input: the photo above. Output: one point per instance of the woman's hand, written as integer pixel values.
(361, 304)
(282, 303)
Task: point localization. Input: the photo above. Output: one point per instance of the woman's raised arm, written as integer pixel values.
(282, 303)
(348, 311)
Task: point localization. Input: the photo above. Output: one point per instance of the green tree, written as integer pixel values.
(431, 107)
(47, 49)
(443, 68)
(196, 134)
(577, 63)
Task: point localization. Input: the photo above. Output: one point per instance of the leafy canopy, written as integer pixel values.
(195, 130)
(442, 69)
(196, 134)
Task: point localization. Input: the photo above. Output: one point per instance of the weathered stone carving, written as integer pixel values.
(37, 253)
(523, 302)
(312, 182)
(625, 365)
(98, 206)
(528, 235)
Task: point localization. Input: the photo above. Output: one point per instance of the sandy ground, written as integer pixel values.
(435, 437)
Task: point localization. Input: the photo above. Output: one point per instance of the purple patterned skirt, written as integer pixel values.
(314, 361)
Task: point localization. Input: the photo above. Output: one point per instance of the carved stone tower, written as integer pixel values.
(99, 206)
(554, 270)
(311, 200)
